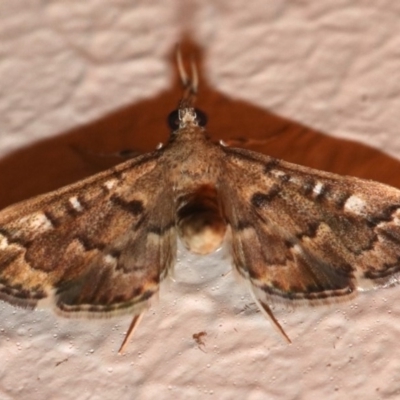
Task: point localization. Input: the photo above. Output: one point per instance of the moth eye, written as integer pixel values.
(173, 119)
(201, 117)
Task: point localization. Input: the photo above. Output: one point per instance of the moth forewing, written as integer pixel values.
(307, 236)
(81, 242)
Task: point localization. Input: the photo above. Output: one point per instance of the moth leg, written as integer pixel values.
(134, 324)
(224, 275)
(235, 142)
(241, 141)
(269, 315)
(125, 154)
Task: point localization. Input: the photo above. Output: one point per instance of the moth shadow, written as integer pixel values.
(56, 162)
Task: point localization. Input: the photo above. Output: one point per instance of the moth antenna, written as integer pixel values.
(132, 328)
(190, 84)
(181, 68)
(195, 76)
(269, 315)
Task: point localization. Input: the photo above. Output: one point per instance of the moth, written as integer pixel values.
(102, 246)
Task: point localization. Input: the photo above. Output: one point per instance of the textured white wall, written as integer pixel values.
(333, 66)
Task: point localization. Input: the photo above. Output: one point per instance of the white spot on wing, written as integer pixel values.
(318, 188)
(278, 173)
(109, 259)
(297, 249)
(110, 184)
(396, 218)
(37, 222)
(355, 205)
(3, 242)
(295, 180)
(76, 204)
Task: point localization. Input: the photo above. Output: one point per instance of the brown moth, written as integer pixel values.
(102, 246)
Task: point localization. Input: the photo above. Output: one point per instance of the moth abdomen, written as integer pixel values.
(200, 224)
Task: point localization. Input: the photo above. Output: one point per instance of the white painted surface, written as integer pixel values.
(333, 65)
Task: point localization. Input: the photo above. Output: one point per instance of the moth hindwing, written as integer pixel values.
(102, 245)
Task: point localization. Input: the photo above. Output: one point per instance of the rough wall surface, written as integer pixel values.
(298, 76)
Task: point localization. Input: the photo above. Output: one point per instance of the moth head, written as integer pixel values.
(184, 117)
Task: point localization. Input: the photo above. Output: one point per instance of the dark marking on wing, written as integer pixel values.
(134, 207)
(260, 200)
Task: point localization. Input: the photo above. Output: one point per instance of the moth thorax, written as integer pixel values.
(200, 224)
